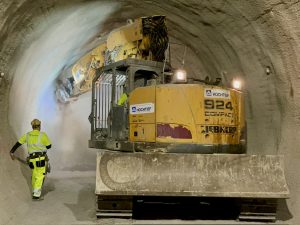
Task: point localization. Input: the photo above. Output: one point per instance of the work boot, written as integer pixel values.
(35, 198)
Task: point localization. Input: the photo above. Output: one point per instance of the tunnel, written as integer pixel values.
(256, 41)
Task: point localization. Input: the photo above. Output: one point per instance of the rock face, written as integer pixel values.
(257, 41)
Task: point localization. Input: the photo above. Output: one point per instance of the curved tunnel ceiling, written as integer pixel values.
(257, 41)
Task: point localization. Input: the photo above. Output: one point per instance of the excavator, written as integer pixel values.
(165, 138)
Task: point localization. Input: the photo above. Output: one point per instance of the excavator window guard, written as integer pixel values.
(103, 97)
(108, 86)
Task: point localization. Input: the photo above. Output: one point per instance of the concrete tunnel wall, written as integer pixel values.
(224, 38)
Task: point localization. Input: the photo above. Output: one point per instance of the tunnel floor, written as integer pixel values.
(68, 198)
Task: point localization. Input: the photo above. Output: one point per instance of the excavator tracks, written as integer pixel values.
(187, 208)
(258, 210)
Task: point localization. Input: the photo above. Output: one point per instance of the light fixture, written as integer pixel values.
(237, 84)
(268, 70)
(180, 76)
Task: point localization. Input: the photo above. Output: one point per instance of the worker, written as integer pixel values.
(122, 100)
(37, 145)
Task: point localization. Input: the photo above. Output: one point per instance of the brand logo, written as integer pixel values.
(142, 108)
(216, 93)
(208, 92)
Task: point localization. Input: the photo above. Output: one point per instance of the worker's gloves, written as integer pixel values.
(12, 156)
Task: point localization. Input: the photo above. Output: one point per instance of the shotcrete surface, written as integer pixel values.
(257, 41)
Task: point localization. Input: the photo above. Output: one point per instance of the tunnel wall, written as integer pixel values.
(257, 41)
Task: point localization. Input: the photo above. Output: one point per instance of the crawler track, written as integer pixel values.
(188, 208)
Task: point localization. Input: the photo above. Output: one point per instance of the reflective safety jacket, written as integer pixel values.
(122, 99)
(36, 141)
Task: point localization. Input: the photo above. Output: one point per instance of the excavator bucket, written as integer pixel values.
(125, 175)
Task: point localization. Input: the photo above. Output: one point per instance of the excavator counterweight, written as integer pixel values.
(206, 175)
(248, 179)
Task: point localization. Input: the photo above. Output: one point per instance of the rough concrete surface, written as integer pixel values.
(258, 41)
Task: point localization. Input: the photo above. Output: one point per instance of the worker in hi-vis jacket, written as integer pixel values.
(37, 145)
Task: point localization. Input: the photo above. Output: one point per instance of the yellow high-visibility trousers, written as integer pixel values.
(38, 167)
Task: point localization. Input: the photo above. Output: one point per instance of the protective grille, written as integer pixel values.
(103, 97)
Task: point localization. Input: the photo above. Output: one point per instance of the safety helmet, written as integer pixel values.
(35, 122)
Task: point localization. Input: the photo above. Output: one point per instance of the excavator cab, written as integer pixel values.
(110, 120)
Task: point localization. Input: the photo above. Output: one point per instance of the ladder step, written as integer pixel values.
(114, 214)
(257, 218)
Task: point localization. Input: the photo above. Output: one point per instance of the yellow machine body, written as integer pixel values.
(176, 140)
(186, 113)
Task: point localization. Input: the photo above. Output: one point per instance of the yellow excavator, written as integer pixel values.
(172, 139)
